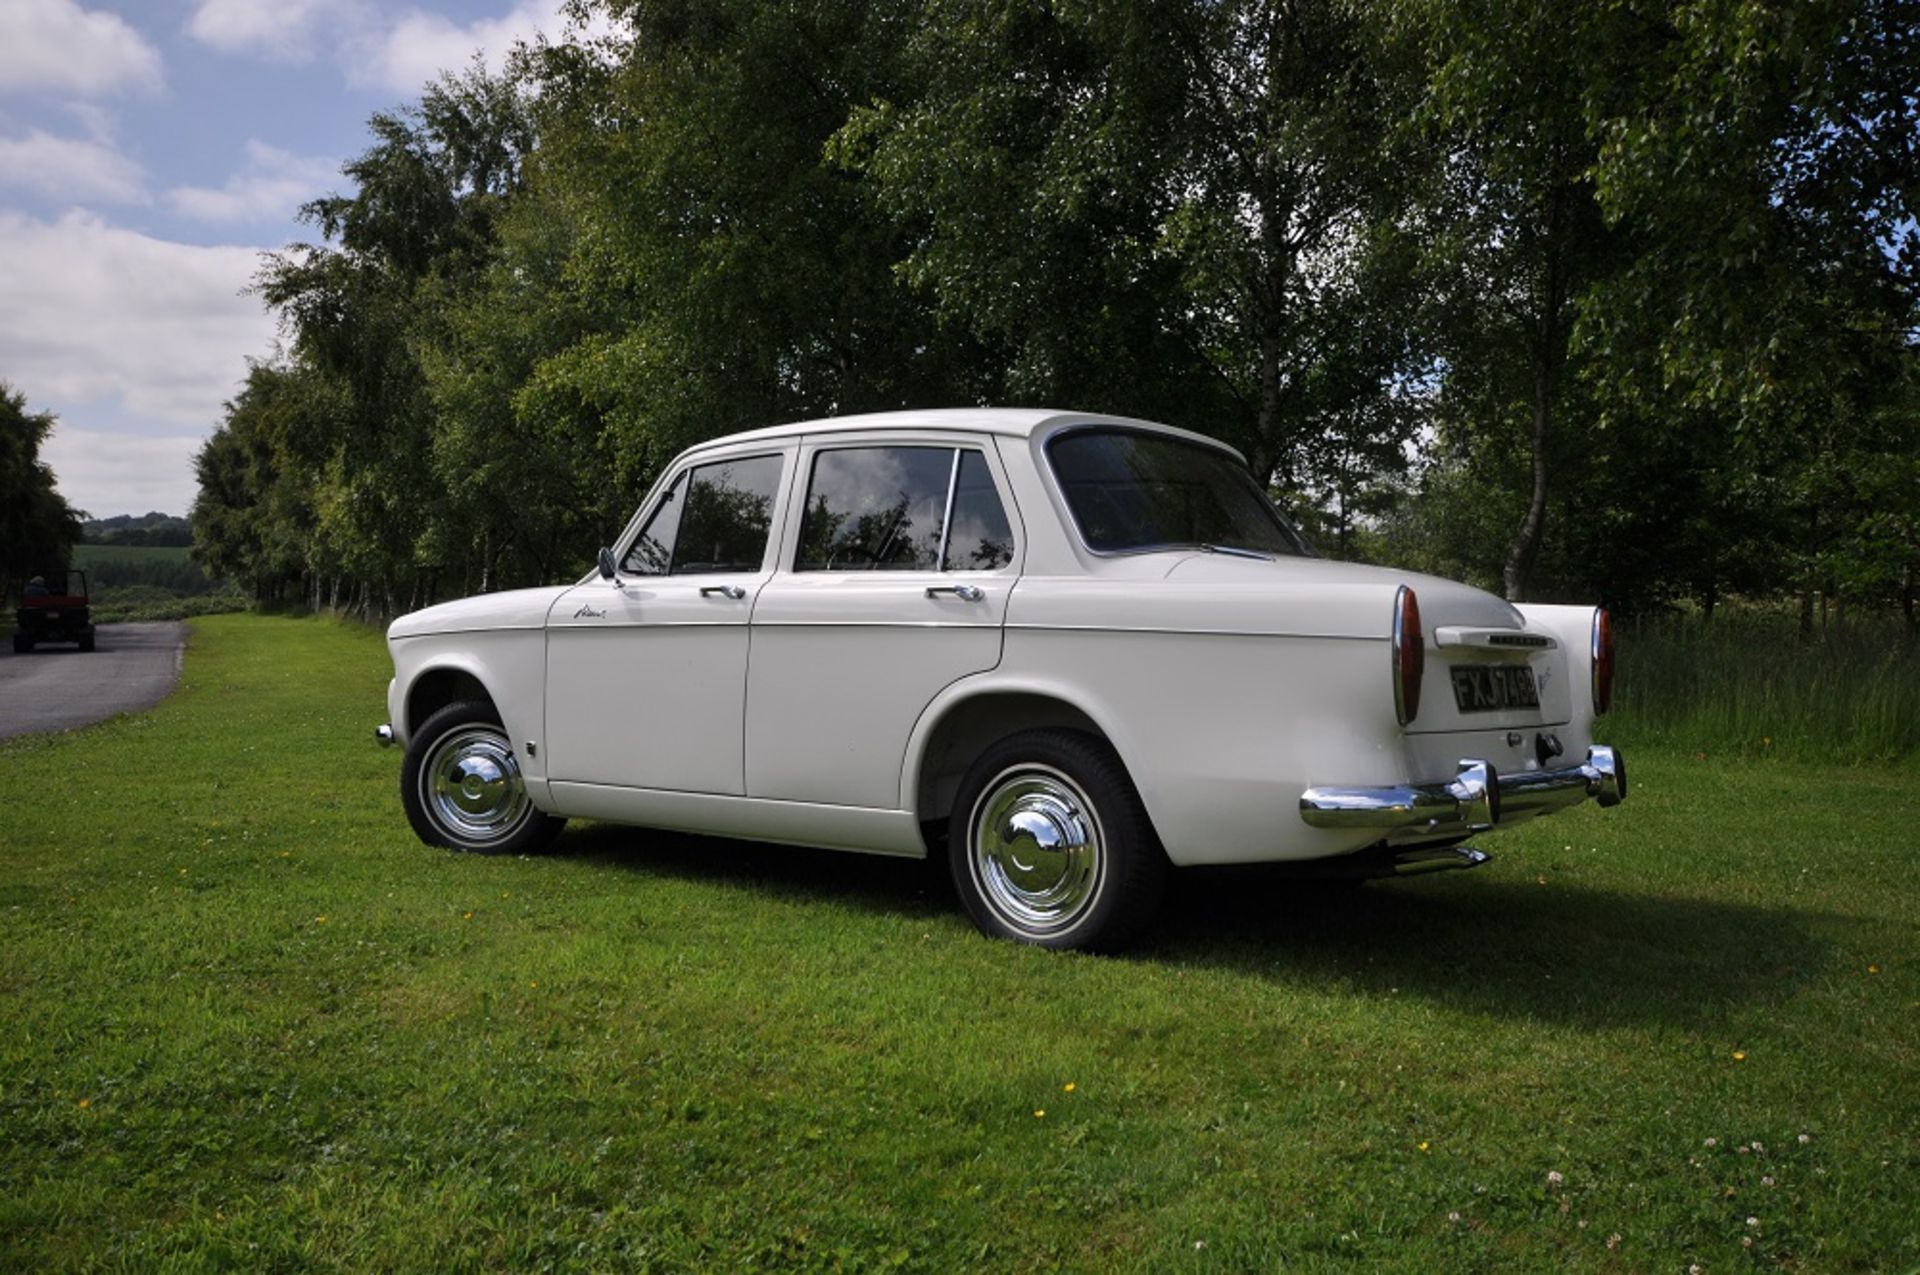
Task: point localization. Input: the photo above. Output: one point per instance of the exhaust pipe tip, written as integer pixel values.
(383, 735)
(1417, 863)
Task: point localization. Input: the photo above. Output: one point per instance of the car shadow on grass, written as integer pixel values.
(880, 883)
(1560, 952)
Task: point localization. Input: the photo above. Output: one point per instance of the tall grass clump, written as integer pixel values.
(1752, 683)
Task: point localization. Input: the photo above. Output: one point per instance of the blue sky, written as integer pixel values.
(150, 150)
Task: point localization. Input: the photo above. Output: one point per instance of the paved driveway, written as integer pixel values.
(133, 666)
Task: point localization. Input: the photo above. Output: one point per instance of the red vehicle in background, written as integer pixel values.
(53, 608)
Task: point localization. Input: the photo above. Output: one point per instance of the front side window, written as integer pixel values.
(714, 519)
(1130, 490)
(886, 509)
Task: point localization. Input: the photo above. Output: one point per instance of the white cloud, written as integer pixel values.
(415, 50)
(286, 30)
(96, 312)
(108, 473)
(400, 53)
(70, 168)
(271, 187)
(57, 45)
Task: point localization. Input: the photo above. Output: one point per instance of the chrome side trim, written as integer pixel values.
(1165, 632)
(946, 519)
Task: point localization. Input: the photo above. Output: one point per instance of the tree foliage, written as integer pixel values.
(1612, 300)
(38, 529)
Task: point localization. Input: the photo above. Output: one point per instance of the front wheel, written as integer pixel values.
(461, 785)
(1054, 846)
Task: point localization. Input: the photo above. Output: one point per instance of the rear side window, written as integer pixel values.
(980, 539)
(715, 519)
(887, 509)
(1132, 491)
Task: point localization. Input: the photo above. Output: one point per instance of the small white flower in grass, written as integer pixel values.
(1713, 1142)
(1746, 1241)
(1758, 1149)
(1753, 1221)
(1453, 1217)
(1767, 1181)
(1198, 1245)
(1804, 1139)
(1696, 1269)
(1554, 1177)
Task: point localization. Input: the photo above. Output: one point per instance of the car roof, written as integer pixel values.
(1016, 422)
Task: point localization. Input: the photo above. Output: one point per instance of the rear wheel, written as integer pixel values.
(22, 644)
(461, 785)
(86, 643)
(1051, 845)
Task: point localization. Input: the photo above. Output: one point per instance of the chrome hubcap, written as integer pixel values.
(1037, 850)
(471, 784)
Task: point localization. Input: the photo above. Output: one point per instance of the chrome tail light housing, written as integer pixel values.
(1602, 662)
(1409, 655)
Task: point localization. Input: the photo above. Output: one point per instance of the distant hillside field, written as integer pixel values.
(90, 557)
(133, 582)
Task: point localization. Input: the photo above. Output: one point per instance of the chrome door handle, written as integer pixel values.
(965, 592)
(733, 591)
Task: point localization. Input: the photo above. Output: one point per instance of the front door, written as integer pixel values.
(647, 673)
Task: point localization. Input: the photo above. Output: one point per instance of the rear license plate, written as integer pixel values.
(1485, 688)
(53, 615)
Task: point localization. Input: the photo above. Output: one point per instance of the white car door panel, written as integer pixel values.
(851, 644)
(647, 673)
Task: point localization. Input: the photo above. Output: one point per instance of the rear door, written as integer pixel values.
(899, 558)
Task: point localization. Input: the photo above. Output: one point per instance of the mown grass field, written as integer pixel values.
(88, 557)
(250, 1022)
(151, 582)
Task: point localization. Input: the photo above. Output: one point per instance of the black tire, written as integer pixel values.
(1063, 799)
(22, 644)
(496, 815)
(86, 643)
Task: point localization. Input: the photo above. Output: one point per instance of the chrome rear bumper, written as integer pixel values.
(1476, 799)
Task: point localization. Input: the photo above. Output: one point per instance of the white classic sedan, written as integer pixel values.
(1076, 650)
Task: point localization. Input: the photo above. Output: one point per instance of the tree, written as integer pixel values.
(418, 230)
(727, 273)
(38, 529)
(1159, 210)
(1768, 159)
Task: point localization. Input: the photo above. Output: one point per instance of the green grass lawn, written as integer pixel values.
(247, 1020)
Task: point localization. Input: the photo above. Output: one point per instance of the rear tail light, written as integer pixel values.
(1602, 661)
(1409, 655)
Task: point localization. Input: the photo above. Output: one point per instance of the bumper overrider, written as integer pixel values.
(1477, 798)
